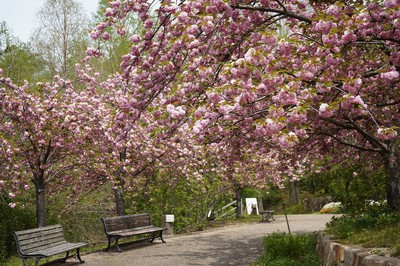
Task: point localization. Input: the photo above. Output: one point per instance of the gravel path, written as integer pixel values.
(230, 245)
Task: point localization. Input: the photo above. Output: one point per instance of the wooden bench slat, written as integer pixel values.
(45, 238)
(39, 229)
(57, 249)
(39, 245)
(136, 231)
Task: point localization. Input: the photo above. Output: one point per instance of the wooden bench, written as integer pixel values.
(267, 216)
(130, 225)
(44, 242)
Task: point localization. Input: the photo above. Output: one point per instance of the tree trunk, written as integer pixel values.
(40, 201)
(260, 204)
(294, 193)
(119, 201)
(119, 195)
(239, 208)
(393, 182)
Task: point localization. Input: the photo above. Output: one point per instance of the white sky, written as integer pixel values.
(20, 15)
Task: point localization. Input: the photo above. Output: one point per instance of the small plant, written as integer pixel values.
(290, 250)
(396, 250)
(377, 252)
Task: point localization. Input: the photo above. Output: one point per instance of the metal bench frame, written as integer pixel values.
(129, 225)
(44, 242)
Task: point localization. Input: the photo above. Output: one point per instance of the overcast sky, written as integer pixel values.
(20, 15)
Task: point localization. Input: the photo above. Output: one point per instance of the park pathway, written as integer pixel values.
(231, 245)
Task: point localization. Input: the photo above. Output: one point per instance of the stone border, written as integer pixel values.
(335, 254)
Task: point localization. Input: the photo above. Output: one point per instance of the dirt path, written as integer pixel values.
(230, 245)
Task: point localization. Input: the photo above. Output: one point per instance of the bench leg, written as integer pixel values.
(78, 256)
(66, 257)
(116, 245)
(155, 236)
(109, 244)
(161, 237)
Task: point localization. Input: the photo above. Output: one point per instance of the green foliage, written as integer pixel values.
(81, 220)
(352, 186)
(288, 249)
(12, 220)
(364, 186)
(249, 192)
(17, 60)
(271, 197)
(190, 202)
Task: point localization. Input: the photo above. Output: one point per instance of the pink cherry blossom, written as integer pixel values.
(105, 36)
(334, 11)
(391, 75)
(323, 26)
(175, 112)
(387, 133)
(325, 111)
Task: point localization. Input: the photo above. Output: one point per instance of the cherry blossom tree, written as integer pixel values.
(272, 74)
(133, 141)
(45, 133)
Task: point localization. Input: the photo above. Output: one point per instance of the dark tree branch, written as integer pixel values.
(284, 12)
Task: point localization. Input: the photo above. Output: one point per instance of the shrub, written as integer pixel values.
(373, 217)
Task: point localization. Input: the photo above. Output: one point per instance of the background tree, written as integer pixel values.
(17, 59)
(61, 36)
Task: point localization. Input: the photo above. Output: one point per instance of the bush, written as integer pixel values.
(375, 216)
(288, 249)
(13, 220)
(296, 209)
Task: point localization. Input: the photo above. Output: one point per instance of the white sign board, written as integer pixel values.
(249, 205)
(169, 218)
